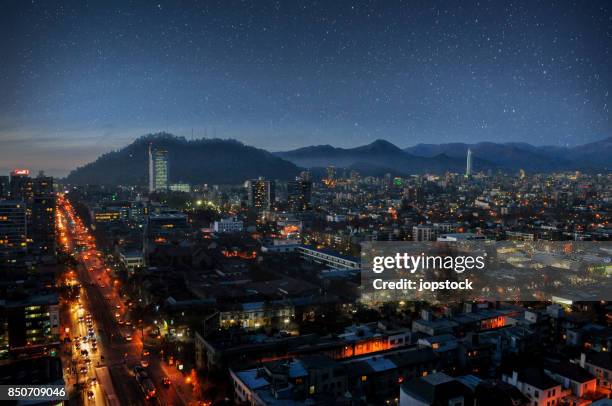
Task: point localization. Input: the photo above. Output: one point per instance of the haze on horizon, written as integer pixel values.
(83, 78)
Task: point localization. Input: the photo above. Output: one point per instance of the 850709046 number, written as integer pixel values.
(33, 392)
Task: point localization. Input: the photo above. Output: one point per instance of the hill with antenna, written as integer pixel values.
(198, 161)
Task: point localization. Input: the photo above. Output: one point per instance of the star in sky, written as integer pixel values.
(82, 78)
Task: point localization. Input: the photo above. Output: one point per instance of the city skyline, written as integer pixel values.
(173, 298)
(83, 79)
(420, 150)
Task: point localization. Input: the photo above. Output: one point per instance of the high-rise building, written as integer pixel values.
(4, 187)
(388, 180)
(33, 324)
(158, 169)
(305, 175)
(42, 225)
(42, 185)
(299, 193)
(414, 195)
(468, 166)
(13, 231)
(331, 172)
(261, 193)
(21, 187)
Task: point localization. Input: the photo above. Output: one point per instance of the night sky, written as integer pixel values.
(81, 78)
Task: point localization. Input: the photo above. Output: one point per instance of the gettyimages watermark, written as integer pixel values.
(486, 270)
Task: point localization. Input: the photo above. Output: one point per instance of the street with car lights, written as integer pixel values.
(98, 333)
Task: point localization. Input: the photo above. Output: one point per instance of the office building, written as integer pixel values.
(261, 193)
(13, 231)
(4, 187)
(41, 227)
(423, 233)
(21, 186)
(158, 169)
(107, 214)
(328, 258)
(180, 187)
(165, 227)
(132, 260)
(468, 166)
(33, 323)
(228, 225)
(299, 193)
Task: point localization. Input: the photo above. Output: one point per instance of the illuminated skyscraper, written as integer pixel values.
(42, 226)
(299, 192)
(468, 166)
(13, 231)
(261, 193)
(37, 200)
(22, 187)
(158, 169)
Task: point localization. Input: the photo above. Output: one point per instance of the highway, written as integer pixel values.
(108, 312)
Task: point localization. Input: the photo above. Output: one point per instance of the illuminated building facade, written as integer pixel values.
(42, 225)
(423, 233)
(328, 258)
(180, 187)
(158, 169)
(468, 165)
(163, 228)
(330, 180)
(106, 215)
(13, 231)
(21, 186)
(299, 194)
(261, 193)
(33, 324)
(256, 315)
(228, 225)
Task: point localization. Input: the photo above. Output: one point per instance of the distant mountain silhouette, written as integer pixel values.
(593, 156)
(376, 157)
(219, 161)
(598, 153)
(199, 161)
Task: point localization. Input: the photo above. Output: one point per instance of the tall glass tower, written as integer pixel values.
(468, 166)
(158, 169)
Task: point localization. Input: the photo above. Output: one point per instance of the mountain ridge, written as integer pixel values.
(195, 161)
(487, 155)
(228, 161)
(380, 154)
(513, 155)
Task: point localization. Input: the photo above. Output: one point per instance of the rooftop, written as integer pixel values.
(537, 378)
